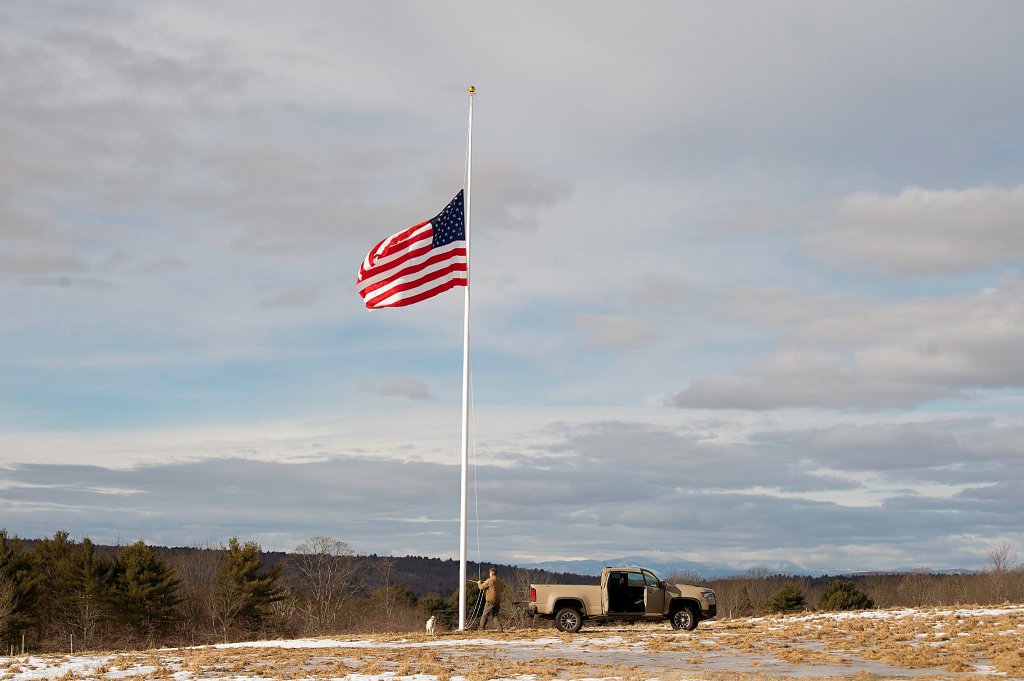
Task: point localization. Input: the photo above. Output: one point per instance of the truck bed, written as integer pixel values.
(587, 594)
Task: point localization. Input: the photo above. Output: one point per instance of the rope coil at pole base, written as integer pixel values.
(478, 610)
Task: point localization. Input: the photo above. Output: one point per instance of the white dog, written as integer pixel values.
(430, 625)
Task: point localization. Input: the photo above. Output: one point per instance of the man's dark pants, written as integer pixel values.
(491, 610)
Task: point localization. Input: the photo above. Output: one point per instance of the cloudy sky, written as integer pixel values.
(748, 278)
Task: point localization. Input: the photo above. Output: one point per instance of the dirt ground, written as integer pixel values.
(962, 643)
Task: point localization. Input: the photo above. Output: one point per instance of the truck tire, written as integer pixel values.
(684, 618)
(569, 620)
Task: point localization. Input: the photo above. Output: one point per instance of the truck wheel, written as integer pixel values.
(569, 620)
(684, 618)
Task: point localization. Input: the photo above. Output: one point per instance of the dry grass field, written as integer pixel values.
(961, 643)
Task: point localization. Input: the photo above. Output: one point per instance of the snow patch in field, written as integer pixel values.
(34, 667)
(401, 643)
(743, 646)
(894, 614)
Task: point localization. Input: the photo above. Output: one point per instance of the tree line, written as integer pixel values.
(760, 592)
(58, 594)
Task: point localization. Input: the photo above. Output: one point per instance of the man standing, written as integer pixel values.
(492, 588)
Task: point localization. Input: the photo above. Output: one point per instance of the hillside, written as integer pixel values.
(420, 574)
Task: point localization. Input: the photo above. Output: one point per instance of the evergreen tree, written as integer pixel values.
(474, 601)
(787, 599)
(51, 566)
(144, 591)
(91, 577)
(390, 601)
(434, 605)
(17, 591)
(744, 608)
(391, 597)
(842, 594)
(74, 586)
(243, 591)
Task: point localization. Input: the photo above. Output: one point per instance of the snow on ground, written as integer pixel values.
(370, 643)
(956, 643)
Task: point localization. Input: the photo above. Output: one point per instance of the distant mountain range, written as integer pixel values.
(666, 567)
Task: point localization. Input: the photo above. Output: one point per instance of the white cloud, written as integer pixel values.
(888, 354)
(923, 232)
(319, 479)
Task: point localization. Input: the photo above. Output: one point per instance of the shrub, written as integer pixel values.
(843, 595)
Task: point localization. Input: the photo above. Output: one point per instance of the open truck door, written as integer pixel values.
(654, 594)
(604, 591)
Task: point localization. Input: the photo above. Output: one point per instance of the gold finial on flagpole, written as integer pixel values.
(471, 90)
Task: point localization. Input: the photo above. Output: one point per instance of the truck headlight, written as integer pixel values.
(708, 595)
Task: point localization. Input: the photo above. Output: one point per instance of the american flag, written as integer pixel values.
(417, 263)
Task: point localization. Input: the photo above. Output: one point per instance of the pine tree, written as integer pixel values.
(74, 586)
(434, 605)
(244, 591)
(744, 608)
(144, 591)
(91, 577)
(787, 599)
(842, 594)
(17, 591)
(51, 566)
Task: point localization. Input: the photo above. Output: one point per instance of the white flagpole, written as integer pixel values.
(465, 375)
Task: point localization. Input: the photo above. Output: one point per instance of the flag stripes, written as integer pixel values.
(416, 263)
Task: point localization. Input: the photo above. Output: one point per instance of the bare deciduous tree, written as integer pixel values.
(1002, 562)
(685, 577)
(760, 586)
(225, 605)
(197, 570)
(1002, 558)
(327, 574)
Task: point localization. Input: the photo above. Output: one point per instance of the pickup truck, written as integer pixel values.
(625, 593)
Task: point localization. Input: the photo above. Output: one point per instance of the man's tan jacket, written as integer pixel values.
(492, 588)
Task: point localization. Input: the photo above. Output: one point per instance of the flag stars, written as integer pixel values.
(403, 270)
(449, 225)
